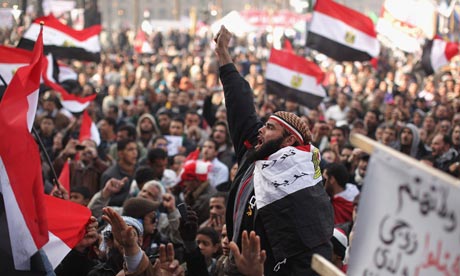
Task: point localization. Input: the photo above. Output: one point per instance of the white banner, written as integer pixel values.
(408, 221)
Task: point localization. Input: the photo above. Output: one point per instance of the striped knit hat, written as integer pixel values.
(294, 125)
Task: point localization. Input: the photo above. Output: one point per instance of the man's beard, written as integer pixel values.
(146, 131)
(265, 150)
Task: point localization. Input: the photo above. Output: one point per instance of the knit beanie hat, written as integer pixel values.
(195, 170)
(138, 207)
(294, 125)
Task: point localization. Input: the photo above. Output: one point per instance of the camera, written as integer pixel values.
(79, 147)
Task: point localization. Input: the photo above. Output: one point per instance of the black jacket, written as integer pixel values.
(305, 231)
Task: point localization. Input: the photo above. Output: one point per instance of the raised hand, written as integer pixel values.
(125, 235)
(166, 265)
(169, 202)
(250, 261)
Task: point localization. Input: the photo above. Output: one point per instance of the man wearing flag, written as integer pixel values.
(277, 191)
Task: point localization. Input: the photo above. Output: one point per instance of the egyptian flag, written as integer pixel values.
(437, 53)
(66, 227)
(64, 177)
(88, 129)
(141, 44)
(342, 33)
(63, 41)
(21, 181)
(292, 76)
(66, 73)
(291, 200)
(69, 101)
(13, 58)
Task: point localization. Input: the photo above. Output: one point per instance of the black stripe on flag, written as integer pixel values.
(304, 98)
(335, 50)
(62, 52)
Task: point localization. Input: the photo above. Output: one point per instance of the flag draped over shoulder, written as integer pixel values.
(20, 171)
(291, 200)
(342, 33)
(63, 41)
(289, 75)
(437, 53)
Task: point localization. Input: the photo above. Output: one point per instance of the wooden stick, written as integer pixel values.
(324, 267)
(368, 145)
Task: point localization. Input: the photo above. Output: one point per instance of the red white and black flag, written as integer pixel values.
(292, 76)
(342, 33)
(21, 181)
(13, 58)
(63, 41)
(437, 53)
(34, 221)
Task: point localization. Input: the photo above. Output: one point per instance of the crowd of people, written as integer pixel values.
(192, 123)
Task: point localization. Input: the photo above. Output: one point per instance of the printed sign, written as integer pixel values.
(408, 221)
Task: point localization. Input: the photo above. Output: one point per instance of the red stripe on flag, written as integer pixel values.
(67, 220)
(14, 55)
(296, 63)
(348, 16)
(85, 128)
(64, 177)
(53, 22)
(22, 161)
(451, 50)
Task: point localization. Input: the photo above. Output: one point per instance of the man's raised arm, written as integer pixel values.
(239, 99)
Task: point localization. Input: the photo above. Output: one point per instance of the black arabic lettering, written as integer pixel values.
(287, 182)
(432, 199)
(384, 260)
(399, 232)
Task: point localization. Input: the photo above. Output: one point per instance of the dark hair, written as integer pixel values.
(339, 172)
(84, 191)
(211, 233)
(154, 154)
(110, 121)
(223, 195)
(122, 144)
(216, 147)
(178, 119)
(142, 175)
(130, 129)
(154, 140)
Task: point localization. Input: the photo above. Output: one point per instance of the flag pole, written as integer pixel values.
(47, 157)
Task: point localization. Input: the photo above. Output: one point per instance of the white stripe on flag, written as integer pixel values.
(336, 30)
(438, 55)
(32, 99)
(55, 37)
(55, 250)
(7, 70)
(95, 136)
(267, 172)
(22, 243)
(74, 106)
(284, 76)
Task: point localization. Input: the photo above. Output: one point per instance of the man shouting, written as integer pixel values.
(278, 191)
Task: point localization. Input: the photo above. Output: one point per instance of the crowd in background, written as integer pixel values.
(155, 112)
